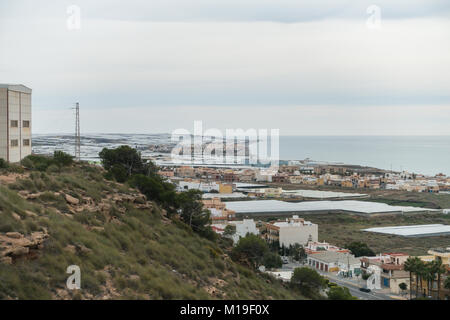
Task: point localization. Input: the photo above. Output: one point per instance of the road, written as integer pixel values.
(352, 285)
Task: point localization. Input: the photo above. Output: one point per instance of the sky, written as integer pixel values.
(330, 67)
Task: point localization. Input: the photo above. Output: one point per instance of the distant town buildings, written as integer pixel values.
(345, 177)
(218, 210)
(15, 122)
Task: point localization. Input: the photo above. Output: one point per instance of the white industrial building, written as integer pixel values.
(15, 122)
(198, 185)
(292, 231)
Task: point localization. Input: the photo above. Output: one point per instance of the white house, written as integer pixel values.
(243, 228)
(294, 230)
(331, 261)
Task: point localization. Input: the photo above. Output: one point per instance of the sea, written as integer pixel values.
(427, 155)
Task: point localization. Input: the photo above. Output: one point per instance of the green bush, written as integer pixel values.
(272, 260)
(62, 159)
(3, 164)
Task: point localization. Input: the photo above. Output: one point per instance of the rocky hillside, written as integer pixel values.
(126, 247)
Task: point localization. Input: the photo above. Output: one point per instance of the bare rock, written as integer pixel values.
(14, 235)
(72, 200)
(19, 251)
(30, 213)
(70, 248)
(6, 260)
(33, 196)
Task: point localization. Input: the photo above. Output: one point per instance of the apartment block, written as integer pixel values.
(15, 122)
(293, 231)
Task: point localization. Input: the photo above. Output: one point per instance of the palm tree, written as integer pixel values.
(447, 283)
(410, 266)
(439, 269)
(429, 274)
(421, 272)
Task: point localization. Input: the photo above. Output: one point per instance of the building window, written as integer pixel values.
(26, 142)
(14, 143)
(26, 123)
(14, 123)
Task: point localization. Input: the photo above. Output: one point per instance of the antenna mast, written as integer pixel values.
(77, 132)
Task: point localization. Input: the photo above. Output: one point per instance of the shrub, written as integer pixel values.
(62, 159)
(3, 164)
(119, 173)
(37, 162)
(250, 249)
(272, 260)
(339, 293)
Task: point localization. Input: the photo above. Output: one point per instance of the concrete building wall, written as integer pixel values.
(14, 132)
(243, 227)
(3, 123)
(15, 122)
(291, 235)
(25, 120)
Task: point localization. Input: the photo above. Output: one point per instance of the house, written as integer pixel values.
(230, 177)
(292, 231)
(243, 228)
(185, 171)
(280, 178)
(386, 271)
(225, 188)
(318, 247)
(166, 173)
(444, 255)
(218, 210)
(199, 185)
(343, 263)
(15, 122)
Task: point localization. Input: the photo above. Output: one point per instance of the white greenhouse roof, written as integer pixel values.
(323, 194)
(413, 231)
(266, 206)
(224, 195)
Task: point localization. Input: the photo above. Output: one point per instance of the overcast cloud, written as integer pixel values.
(310, 67)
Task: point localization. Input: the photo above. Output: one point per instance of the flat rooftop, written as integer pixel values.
(224, 195)
(323, 194)
(422, 230)
(16, 87)
(277, 206)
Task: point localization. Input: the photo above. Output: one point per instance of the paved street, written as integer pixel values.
(352, 284)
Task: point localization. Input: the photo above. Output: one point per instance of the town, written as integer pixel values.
(245, 201)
